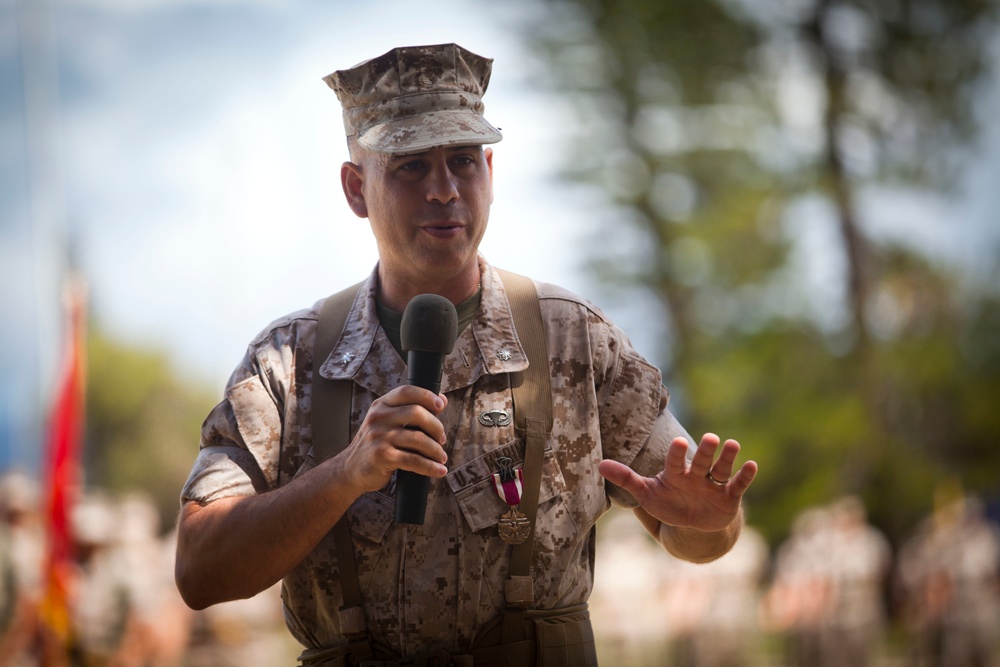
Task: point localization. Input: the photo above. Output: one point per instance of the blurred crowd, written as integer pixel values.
(833, 594)
(124, 610)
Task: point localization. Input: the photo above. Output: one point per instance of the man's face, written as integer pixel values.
(428, 210)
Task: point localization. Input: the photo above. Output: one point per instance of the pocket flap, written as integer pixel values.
(371, 515)
(472, 484)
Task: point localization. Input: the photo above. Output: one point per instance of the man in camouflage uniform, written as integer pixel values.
(260, 503)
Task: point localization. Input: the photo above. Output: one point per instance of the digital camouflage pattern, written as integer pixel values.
(431, 587)
(416, 97)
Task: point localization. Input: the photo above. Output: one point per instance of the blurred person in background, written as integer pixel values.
(714, 606)
(797, 606)
(949, 576)
(828, 591)
(22, 552)
(261, 499)
(859, 562)
(105, 628)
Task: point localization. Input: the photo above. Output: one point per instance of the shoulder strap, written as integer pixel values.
(331, 433)
(331, 429)
(532, 396)
(532, 389)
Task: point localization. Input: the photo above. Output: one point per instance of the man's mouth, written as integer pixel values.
(444, 231)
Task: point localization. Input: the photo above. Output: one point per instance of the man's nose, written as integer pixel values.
(441, 185)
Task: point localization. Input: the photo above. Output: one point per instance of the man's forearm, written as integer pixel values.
(690, 544)
(233, 548)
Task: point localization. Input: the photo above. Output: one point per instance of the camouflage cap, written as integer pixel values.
(416, 97)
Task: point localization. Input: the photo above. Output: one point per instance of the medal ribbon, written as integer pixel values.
(508, 486)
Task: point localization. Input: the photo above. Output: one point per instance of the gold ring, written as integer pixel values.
(717, 482)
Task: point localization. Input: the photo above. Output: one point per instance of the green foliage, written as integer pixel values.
(142, 424)
(704, 123)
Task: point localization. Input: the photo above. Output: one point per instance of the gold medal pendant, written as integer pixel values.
(514, 527)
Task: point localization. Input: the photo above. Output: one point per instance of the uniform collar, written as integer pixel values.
(488, 346)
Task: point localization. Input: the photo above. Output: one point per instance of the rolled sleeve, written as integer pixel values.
(222, 472)
(630, 406)
(240, 442)
(259, 424)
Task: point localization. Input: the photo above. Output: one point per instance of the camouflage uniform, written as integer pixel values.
(431, 587)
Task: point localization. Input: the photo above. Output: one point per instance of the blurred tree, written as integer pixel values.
(142, 423)
(732, 134)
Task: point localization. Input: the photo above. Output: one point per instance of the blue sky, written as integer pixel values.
(191, 151)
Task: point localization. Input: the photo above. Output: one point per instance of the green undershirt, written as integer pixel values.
(391, 321)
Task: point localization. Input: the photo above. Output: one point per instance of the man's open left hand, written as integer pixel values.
(705, 495)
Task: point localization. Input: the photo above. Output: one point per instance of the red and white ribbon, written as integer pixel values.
(509, 487)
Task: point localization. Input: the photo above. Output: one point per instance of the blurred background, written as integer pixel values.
(791, 206)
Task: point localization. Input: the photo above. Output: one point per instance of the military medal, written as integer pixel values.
(514, 526)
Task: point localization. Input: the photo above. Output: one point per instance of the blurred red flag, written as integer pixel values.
(63, 472)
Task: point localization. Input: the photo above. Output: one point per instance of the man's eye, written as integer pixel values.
(413, 165)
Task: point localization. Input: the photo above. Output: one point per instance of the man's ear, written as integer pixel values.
(488, 154)
(351, 180)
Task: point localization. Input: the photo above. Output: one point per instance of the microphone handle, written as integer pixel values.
(423, 369)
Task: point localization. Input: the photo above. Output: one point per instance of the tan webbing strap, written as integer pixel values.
(331, 433)
(532, 396)
(331, 428)
(533, 390)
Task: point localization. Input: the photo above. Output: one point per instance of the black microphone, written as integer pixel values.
(427, 333)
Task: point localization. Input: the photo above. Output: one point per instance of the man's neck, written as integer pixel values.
(396, 292)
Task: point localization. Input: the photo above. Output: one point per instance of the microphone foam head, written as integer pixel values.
(430, 324)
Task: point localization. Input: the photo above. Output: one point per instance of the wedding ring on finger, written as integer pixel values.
(717, 482)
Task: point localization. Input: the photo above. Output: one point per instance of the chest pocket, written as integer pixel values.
(472, 484)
